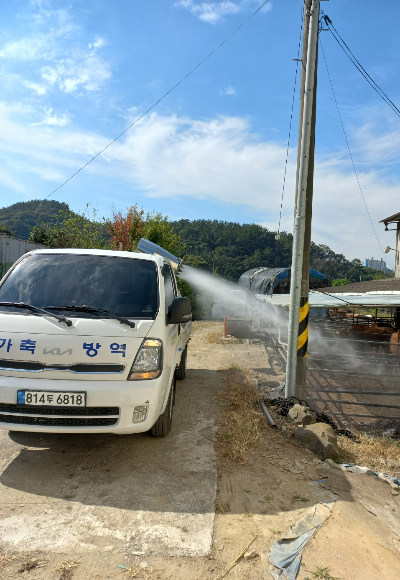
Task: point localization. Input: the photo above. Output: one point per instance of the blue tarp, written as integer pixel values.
(286, 553)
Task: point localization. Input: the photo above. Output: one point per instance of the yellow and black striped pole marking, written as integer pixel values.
(302, 341)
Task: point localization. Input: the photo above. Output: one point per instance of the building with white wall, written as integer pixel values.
(375, 264)
(11, 249)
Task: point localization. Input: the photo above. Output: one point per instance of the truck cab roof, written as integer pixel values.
(159, 260)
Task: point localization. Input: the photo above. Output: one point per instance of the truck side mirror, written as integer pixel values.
(180, 311)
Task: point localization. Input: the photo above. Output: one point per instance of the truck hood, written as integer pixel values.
(91, 349)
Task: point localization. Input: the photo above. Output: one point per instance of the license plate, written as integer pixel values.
(51, 399)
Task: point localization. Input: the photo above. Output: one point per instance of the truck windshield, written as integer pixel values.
(123, 286)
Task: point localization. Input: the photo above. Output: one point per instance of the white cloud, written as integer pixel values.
(229, 91)
(48, 32)
(213, 12)
(52, 119)
(217, 160)
(221, 160)
(7, 180)
(39, 89)
(62, 59)
(69, 75)
(99, 43)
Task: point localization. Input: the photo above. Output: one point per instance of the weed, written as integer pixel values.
(321, 573)
(219, 508)
(299, 498)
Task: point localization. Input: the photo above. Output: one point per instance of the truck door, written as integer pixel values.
(170, 349)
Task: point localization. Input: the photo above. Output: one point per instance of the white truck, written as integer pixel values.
(92, 341)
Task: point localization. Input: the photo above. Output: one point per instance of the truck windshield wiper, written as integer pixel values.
(85, 308)
(36, 309)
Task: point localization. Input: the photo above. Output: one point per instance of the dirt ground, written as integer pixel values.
(117, 507)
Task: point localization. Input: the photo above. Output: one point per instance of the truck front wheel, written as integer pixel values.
(181, 370)
(163, 425)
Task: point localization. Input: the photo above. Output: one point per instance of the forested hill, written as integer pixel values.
(234, 248)
(230, 248)
(20, 218)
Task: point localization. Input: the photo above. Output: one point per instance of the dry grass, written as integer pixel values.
(215, 336)
(67, 564)
(6, 559)
(137, 571)
(201, 330)
(377, 453)
(240, 428)
(31, 564)
(199, 325)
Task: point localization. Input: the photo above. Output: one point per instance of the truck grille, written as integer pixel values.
(59, 416)
(77, 368)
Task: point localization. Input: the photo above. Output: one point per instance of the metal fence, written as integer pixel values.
(11, 249)
(352, 375)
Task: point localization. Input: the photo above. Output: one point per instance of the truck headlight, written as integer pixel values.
(148, 361)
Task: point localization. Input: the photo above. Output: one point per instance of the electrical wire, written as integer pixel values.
(359, 66)
(348, 148)
(160, 99)
(289, 137)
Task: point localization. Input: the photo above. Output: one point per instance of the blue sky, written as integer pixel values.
(75, 74)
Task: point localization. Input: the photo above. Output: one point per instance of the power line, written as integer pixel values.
(348, 148)
(161, 98)
(359, 66)
(290, 133)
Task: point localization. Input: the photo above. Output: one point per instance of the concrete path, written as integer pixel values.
(132, 494)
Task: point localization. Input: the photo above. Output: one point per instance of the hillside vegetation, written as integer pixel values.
(21, 217)
(234, 248)
(227, 247)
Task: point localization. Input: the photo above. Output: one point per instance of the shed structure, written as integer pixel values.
(276, 280)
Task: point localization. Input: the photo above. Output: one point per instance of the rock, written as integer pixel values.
(251, 555)
(301, 414)
(390, 432)
(320, 438)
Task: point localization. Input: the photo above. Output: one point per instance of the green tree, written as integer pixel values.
(341, 282)
(73, 230)
(158, 230)
(127, 229)
(5, 230)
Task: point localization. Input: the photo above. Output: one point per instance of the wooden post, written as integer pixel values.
(225, 327)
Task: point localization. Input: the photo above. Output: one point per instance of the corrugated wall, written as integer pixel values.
(11, 249)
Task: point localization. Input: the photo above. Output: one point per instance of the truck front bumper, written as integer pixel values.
(109, 407)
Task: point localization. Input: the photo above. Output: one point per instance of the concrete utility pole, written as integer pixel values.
(299, 285)
(305, 278)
